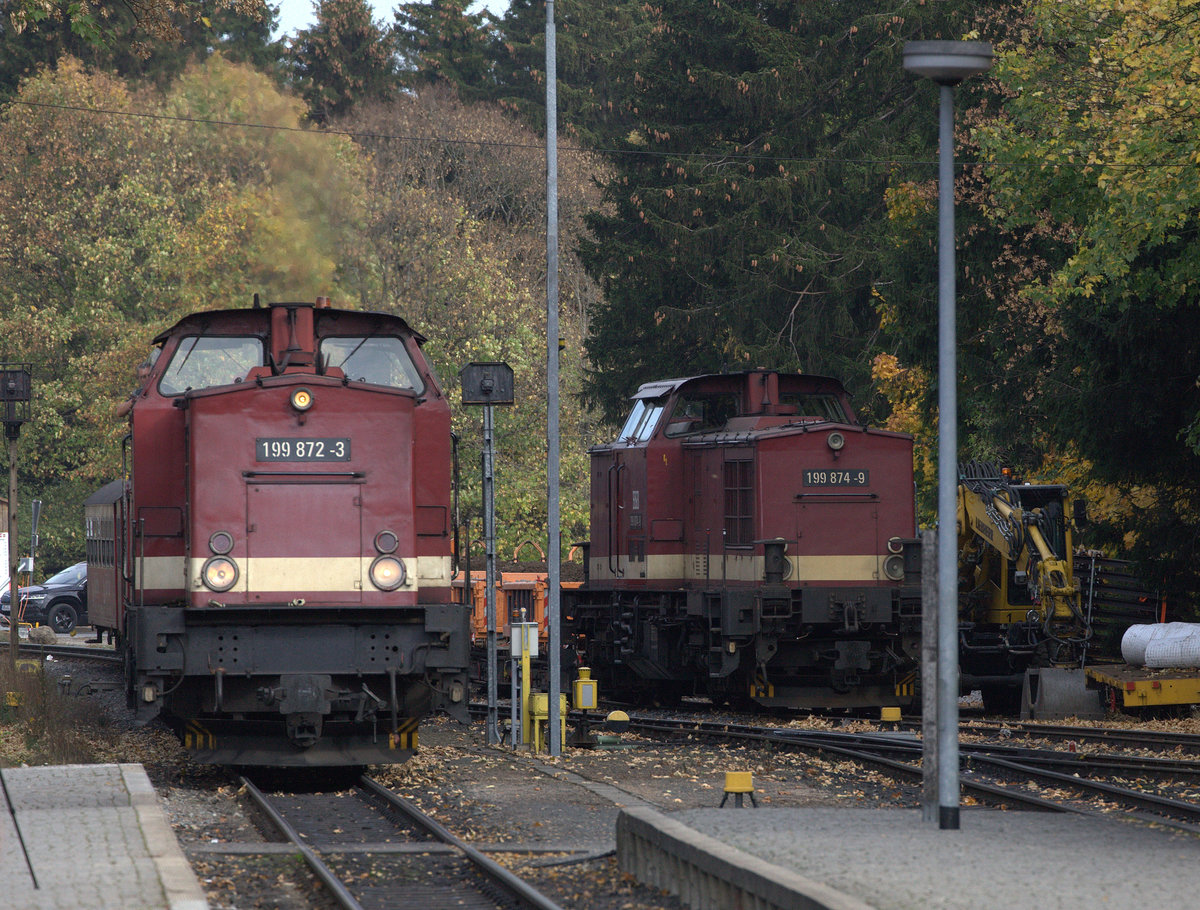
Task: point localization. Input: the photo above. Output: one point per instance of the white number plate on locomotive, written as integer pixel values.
(283, 448)
(851, 478)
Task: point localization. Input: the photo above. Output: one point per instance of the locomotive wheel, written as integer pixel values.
(62, 618)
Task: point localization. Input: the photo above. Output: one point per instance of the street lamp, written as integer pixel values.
(947, 63)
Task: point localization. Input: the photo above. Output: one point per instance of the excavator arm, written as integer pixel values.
(1016, 560)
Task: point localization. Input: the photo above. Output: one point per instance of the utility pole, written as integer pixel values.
(554, 544)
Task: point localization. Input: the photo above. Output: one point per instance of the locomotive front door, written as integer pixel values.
(304, 540)
(703, 481)
(838, 537)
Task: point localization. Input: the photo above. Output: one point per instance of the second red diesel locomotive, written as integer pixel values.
(751, 541)
(276, 564)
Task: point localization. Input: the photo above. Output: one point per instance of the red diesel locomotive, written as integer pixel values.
(750, 540)
(276, 565)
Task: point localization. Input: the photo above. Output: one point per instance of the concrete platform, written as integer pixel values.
(74, 836)
(853, 859)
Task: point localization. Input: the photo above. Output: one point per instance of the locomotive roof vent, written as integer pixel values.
(293, 338)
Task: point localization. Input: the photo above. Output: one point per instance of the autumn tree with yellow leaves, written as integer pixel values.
(121, 210)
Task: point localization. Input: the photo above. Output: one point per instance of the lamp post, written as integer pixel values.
(947, 63)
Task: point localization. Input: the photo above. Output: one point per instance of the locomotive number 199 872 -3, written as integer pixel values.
(282, 448)
(837, 478)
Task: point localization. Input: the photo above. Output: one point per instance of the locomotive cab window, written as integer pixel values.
(639, 425)
(702, 413)
(824, 407)
(203, 361)
(379, 360)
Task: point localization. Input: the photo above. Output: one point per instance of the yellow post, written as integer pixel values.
(526, 723)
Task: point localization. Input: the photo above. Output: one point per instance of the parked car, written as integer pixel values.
(59, 602)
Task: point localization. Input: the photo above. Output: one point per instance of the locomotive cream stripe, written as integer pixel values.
(742, 568)
(328, 574)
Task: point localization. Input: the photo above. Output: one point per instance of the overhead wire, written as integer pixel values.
(752, 157)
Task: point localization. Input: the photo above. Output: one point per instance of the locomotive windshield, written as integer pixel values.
(201, 362)
(639, 425)
(380, 360)
(700, 413)
(825, 407)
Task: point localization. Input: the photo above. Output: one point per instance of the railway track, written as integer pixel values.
(69, 652)
(993, 774)
(373, 849)
(1113, 736)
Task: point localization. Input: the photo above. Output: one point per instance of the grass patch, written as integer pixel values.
(39, 725)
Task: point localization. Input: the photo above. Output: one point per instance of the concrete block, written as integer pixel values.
(1054, 693)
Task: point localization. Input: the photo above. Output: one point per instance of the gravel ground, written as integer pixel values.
(556, 814)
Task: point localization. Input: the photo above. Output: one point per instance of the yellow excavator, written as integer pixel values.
(1020, 607)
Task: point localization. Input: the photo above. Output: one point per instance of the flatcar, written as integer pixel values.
(276, 562)
(751, 541)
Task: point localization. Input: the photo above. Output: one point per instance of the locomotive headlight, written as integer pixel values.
(835, 441)
(893, 567)
(220, 573)
(302, 399)
(220, 543)
(386, 541)
(387, 573)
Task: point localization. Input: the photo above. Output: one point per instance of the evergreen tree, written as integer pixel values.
(595, 44)
(344, 59)
(439, 41)
(747, 223)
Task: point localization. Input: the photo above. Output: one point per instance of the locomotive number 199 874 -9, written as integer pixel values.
(838, 478)
(282, 448)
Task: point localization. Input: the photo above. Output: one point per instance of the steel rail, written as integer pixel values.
(336, 887)
(1070, 761)
(987, 792)
(521, 890)
(1160, 804)
(1141, 739)
(1091, 762)
(73, 652)
(865, 748)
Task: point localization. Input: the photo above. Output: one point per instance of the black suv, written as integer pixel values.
(59, 602)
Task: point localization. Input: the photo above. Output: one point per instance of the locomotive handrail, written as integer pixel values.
(618, 467)
(127, 565)
(357, 474)
(846, 495)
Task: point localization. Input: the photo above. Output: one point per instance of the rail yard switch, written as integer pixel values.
(738, 783)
